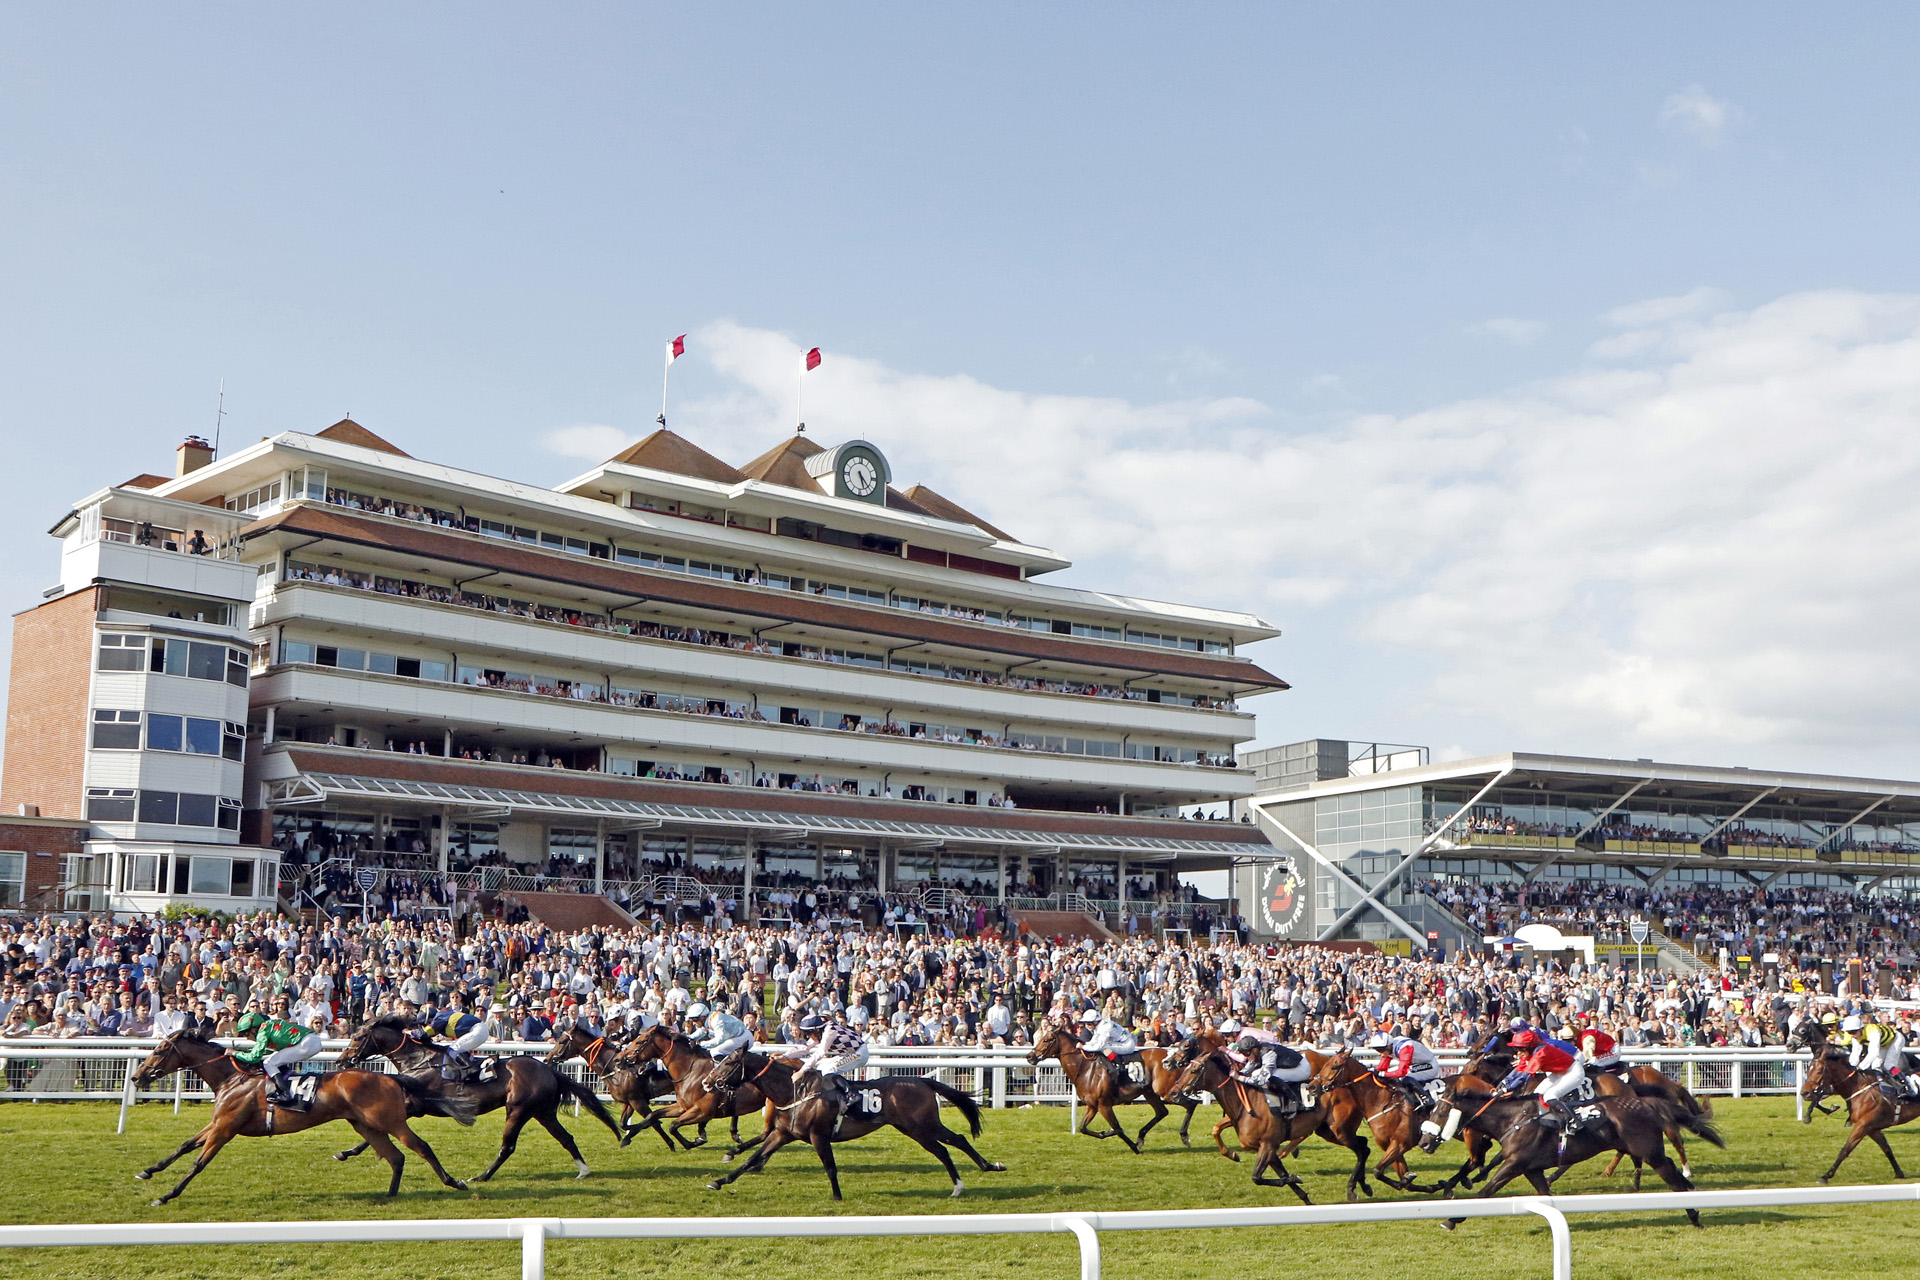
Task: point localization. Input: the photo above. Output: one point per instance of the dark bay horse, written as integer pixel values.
(1869, 1110)
(910, 1104)
(377, 1106)
(633, 1090)
(1528, 1148)
(528, 1088)
(1384, 1108)
(1099, 1087)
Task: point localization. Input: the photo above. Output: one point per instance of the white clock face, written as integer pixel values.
(860, 476)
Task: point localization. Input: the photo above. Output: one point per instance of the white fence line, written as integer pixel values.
(533, 1233)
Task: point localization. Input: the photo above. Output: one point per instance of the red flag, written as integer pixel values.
(813, 359)
(676, 348)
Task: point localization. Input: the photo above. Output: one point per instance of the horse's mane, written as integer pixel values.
(191, 1035)
(393, 1021)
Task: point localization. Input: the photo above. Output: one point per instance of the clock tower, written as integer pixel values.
(854, 470)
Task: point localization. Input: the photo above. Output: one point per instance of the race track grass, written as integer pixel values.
(63, 1163)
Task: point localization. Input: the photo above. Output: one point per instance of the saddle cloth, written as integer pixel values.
(300, 1092)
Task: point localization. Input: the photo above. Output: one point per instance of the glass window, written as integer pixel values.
(295, 651)
(433, 670)
(122, 653)
(229, 814)
(383, 663)
(197, 810)
(116, 730)
(205, 661)
(241, 885)
(165, 733)
(159, 806)
(106, 804)
(143, 873)
(237, 668)
(13, 879)
(203, 736)
(211, 875)
(234, 747)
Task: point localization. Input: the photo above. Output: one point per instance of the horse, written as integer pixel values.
(633, 1090)
(691, 1068)
(1528, 1148)
(377, 1106)
(1099, 1087)
(528, 1088)
(1166, 1084)
(1384, 1108)
(1266, 1134)
(1868, 1109)
(1635, 1082)
(819, 1118)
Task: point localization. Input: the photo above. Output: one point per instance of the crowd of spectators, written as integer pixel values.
(71, 977)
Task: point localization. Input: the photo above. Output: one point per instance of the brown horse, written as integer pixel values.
(375, 1105)
(1529, 1148)
(528, 1088)
(1635, 1084)
(691, 1069)
(1868, 1109)
(1384, 1108)
(633, 1090)
(1263, 1132)
(819, 1118)
(1098, 1086)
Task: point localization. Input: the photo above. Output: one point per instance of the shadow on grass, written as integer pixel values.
(986, 1191)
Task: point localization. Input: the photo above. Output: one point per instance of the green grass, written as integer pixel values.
(64, 1163)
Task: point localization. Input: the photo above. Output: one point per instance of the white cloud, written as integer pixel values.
(1699, 114)
(1714, 545)
(1508, 329)
(1656, 310)
(588, 441)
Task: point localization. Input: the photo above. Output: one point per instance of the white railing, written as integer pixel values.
(533, 1233)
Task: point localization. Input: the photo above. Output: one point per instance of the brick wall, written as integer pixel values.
(44, 841)
(47, 713)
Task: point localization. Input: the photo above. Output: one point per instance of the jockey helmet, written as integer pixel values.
(697, 1011)
(1524, 1039)
(1091, 1015)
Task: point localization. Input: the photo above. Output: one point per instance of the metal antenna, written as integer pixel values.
(219, 412)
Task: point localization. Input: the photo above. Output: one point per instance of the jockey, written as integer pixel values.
(1598, 1050)
(1410, 1064)
(1558, 1063)
(1110, 1039)
(1876, 1047)
(278, 1043)
(841, 1049)
(722, 1034)
(1271, 1065)
(464, 1032)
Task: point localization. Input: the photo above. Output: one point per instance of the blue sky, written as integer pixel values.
(1546, 375)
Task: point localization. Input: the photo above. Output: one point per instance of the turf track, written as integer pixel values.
(63, 1163)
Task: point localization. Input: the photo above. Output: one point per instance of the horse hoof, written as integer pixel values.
(1823, 1181)
(996, 1167)
(715, 1186)
(143, 1176)
(156, 1203)
(1367, 1191)
(458, 1185)
(958, 1187)
(1686, 1171)
(727, 1158)
(1353, 1193)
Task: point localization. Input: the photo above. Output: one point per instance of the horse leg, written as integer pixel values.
(551, 1123)
(509, 1139)
(209, 1148)
(823, 1147)
(1358, 1178)
(776, 1139)
(1159, 1114)
(1853, 1140)
(1186, 1124)
(1613, 1164)
(1671, 1174)
(959, 1140)
(938, 1152)
(1089, 1112)
(384, 1148)
(350, 1152)
(1106, 1109)
(191, 1144)
(418, 1145)
(1880, 1140)
(1679, 1151)
(1219, 1129)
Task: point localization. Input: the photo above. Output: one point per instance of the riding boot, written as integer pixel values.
(277, 1093)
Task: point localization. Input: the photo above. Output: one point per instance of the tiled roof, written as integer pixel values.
(665, 451)
(347, 431)
(785, 464)
(939, 507)
(374, 775)
(146, 480)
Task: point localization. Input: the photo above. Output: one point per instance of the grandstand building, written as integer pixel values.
(667, 668)
(1364, 833)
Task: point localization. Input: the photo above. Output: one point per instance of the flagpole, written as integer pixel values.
(800, 396)
(665, 374)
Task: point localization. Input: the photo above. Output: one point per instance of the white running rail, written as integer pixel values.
(533, 1233)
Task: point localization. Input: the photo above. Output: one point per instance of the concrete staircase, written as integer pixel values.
(570, 911)
(1063, 924)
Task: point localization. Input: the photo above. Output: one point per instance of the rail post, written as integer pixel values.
(1737, 1076)
(126, 1098)
(533, 1248)
(1562, 1236)
(1799, 1083)
(1090, 1245)
(999, 1088)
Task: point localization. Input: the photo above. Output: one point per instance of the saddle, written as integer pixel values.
(299, 1093)
(1130, 1070)
(475, 1070)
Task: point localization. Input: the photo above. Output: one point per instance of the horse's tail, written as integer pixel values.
(1699, 1124)
(571, 1088)
(458, 1108)
(959, 1098)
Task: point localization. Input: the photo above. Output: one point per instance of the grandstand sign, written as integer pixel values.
(1638, 932)
(1282, 904)
(367, 879)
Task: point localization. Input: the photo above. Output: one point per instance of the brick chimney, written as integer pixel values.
(193, 454)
